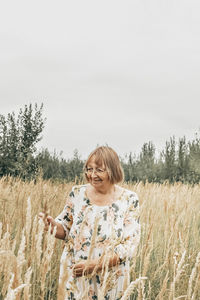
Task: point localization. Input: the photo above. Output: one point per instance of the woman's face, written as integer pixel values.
(96, 174)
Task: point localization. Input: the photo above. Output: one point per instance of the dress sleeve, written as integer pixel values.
(131, 230)
(65, 218)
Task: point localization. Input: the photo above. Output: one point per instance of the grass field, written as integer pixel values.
(168, 254)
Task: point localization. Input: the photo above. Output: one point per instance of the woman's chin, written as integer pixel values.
(97, 182)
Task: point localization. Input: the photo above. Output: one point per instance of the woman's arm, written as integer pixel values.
(86, 267)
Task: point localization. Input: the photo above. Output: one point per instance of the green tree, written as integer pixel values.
(169, 155)
(75, 167)
(55, 167)
(182, 160)
(48, 164)
(194, 160)
(18, 138)
(146, 163)
(129, 166)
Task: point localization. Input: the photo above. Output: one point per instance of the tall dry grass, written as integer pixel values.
(167, 265)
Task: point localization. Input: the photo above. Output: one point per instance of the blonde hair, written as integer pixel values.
(106, 156)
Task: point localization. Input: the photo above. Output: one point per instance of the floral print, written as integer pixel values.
(115, 228)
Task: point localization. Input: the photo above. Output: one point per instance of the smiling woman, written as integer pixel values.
(100, 224)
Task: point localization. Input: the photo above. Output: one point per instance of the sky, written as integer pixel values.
(111, 72)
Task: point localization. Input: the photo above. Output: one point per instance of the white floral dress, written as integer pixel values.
(94, 231)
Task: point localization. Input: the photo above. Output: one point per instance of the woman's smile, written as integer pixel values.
(96, 180)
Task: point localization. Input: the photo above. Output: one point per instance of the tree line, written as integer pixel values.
(19, 157)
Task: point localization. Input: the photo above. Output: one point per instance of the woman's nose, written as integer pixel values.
(94, 174)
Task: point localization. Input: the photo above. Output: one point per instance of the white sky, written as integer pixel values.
(109, 71)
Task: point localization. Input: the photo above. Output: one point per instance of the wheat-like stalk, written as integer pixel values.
(192, 276)
(196, 285)
(126, 280)
(45, 263)
(105, 275)
(131, 288)
(8, 265)
(160, 296)
(1, 225)
(39, 238)
(93, 238)
(63, 279)
(28, 220)
(27, 276)
(177, 274)
(5, 241)
(12, 293)
(33, 248)
(21, 257)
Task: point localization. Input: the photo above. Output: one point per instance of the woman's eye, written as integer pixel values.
(99, 170)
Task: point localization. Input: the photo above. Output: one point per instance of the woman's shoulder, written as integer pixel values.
(130, 196)
(129, 192)
(77, 190)
(76, 195)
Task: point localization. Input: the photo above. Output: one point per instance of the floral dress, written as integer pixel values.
(92, 232)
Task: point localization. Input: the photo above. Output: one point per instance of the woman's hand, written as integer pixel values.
(48, 220)
(85, 267)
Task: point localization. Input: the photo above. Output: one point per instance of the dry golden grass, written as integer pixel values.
(167, 265)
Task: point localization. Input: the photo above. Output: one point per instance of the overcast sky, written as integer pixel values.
(109, 71)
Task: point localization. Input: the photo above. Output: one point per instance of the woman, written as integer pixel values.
(100, 226)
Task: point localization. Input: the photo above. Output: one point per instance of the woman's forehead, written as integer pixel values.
(98, 161)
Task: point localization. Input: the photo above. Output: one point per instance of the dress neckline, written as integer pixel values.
(107, 205)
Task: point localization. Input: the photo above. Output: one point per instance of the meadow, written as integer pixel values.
(167, 263)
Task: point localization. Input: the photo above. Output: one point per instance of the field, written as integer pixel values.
(167, 265)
